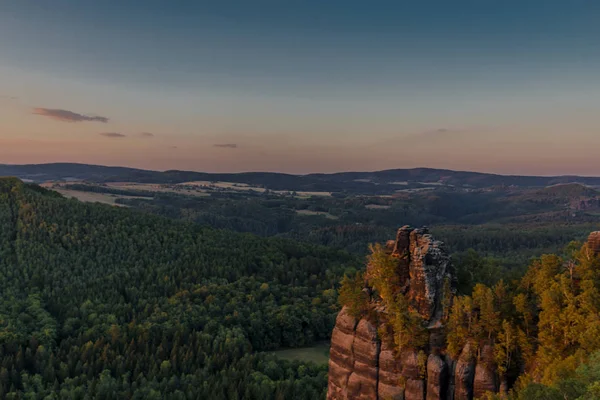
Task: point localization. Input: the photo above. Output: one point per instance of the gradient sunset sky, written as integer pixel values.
(302, 86)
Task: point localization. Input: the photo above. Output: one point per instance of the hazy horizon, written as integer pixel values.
(501, 87)
(299, 174)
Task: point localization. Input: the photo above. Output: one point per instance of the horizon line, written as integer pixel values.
(301, 175)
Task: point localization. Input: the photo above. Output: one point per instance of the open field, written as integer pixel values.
(309, 194)
(311, 213)
(223, 185)
(160, 188)
(319, 353)
(203, 188)
(377, 207)
(194, 188)
(90, 197)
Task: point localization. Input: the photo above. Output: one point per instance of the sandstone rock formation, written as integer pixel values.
(593, 242)
(363, 366)
(437, 377)
(485, 373)
(464, 374)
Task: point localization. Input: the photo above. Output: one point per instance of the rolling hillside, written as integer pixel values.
(101, 300)
(378, 182)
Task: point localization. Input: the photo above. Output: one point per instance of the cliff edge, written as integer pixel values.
(366, 364)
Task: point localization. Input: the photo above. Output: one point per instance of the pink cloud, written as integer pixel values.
(67, 116)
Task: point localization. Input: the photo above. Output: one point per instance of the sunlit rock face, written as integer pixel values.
(362, 366)
(593, 243)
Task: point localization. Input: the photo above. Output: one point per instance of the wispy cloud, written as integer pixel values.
(146, 134)
(112, 135)
(226, 145)
(9, 98)
(67, 116)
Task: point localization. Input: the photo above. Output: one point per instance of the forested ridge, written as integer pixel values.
(100, 302)
(108, 303)
(509, 225)
(355, 182)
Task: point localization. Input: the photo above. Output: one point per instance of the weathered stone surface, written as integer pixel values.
(485, 373)
(410, 364)
(401, 252)
(593, 243)
(361, 388)
(387, 392)
(429, 267)
(415, 389)
(391, 381)
(366, 345)
(451, 363)
(345, 322)
(503, 386)
(437, 378)
(354, 359)
(341, 356)
(337, 387)
(464, 375)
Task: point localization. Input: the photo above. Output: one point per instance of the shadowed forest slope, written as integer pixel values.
(98, 300)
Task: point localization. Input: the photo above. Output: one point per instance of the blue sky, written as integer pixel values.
(302, 86)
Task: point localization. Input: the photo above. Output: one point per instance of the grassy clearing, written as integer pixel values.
(155, 187)
(311, 213)
(223, 185)
(319, 353)
(377, 207)
(244, 187)
(90, 197)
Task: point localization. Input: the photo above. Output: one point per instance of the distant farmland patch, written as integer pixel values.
(319, 353)
(312, 213)
(91, 197)
(377, 207)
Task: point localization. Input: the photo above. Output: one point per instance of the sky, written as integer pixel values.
(303, 86)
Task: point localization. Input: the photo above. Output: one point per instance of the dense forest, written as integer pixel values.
(510, 225)
(108, 303)
(164, 300)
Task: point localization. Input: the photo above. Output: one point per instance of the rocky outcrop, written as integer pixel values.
(429, 267)
(415, 389)
(362, 383)
(391, 381)
(437, 378)
(341, 355)
(593, 243)
(363, 366)
(464, 374)
(485, 373)
(422, 267)
(353, 359)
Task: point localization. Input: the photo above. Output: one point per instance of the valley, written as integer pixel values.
(256, 270)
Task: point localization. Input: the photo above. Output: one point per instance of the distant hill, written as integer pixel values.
(378, 182)
(64, 171)
(569, 190)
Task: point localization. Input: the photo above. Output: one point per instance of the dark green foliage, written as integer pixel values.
(472, 268)
(582, 384)
(105, 302)
(353, 182)
(512, 226)
(352, 294)
(82, 187)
